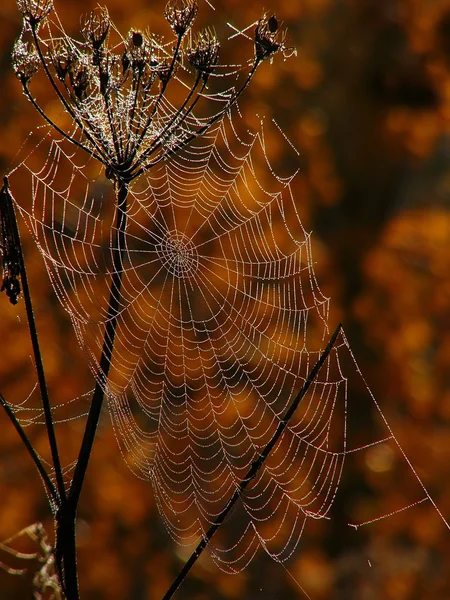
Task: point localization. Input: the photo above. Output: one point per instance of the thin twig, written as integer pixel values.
(54, 125)
(193, 136)
(66, 105)
(254, 468)
(14, 231)
(29, 446)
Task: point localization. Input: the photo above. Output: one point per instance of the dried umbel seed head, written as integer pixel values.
(204, 54)
(25, 60)
(62, 57)
(115, 93)
(163, 71)
(138, 52)
(79, 75)
(267, 38)
(114, 71)
(35, 11)
(180, 15)
(137, 39)
(96, 27)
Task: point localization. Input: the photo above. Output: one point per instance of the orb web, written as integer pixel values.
(177, 254)
(220, 321)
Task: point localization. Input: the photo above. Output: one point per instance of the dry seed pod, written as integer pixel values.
(96, 27)
(267, 38)
(25, 60)
(204, 54)
(35, 11)
(180, 15)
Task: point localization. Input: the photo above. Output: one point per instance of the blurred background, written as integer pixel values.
(366, 102)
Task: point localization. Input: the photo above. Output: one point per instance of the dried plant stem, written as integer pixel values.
(92, 69)
(31, 451)
(254, 468)
(108, 344)
(14, 231)
(67, 105)
(66, 521)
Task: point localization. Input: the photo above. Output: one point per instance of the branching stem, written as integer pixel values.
(31, 451)
(63, 101)
(108, 343)
(6, 197)
(54, 125)
(66, 520)
(142, 166)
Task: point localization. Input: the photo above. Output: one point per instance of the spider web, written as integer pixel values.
(220, 321)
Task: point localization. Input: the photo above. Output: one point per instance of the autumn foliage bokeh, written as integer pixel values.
(366, 101)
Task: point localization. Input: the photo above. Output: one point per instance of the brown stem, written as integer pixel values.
(66, 517)
(195, 134)
(254, 468)
(7, 206)
(108, 344)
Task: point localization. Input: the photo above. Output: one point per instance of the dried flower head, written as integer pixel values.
(268, 40)
(137, 39)
(80, 76)
(180, 15)
(204, 53)
(115, 93)
(9, 246)
(139, 51)
(35, 11)
(96, 27)
(25, 60)
(63, 57)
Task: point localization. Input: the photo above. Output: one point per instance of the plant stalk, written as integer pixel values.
(32, 452)
(254, 468)
(8, 207)
(66, 520)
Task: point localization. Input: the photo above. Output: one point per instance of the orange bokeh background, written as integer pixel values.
(366, 102)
